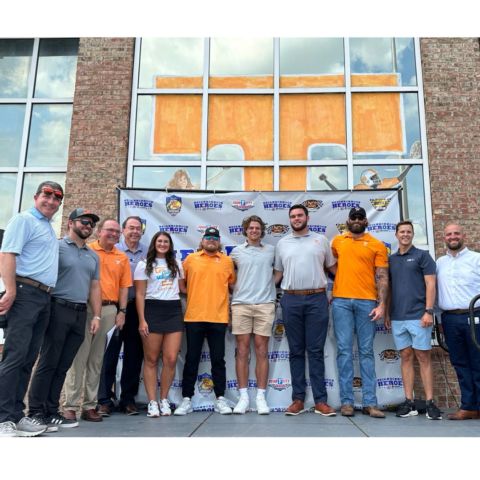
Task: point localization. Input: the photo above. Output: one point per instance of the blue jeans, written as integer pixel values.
(306, 322)
(351, 316)
(464, 356)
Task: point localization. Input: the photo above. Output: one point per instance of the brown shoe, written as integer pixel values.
(91, 416)
(324, 409)
(70, 414)
(104, 410)
(373, 411)
(131, 409)
(347, 410)
(295, 408)
(464, 415)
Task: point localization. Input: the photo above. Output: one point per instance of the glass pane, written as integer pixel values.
(8, 182)
(313, 178)
(57, 66)
(311, 62)
(234, 133)
(15, 56)
(174, 178)
(11, 128)
(169, 127)
(312, 127)
(240, 178)
(49, 136)
(171, 63)
(386, 125)
(30, 183)
(241, 63)
(382, 62)
(410, 178)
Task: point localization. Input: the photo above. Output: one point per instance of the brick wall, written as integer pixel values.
(98, 149)
(451, 80)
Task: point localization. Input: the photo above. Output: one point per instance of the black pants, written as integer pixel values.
(64, 335)
(215, 335)
(132, 362)
(27, 321)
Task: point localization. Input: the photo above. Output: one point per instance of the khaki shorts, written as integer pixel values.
(253, 318)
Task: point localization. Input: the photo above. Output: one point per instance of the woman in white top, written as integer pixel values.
(158, 282)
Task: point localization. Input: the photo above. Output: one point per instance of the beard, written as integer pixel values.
(81, 234)
(300, 227)
(457, 246)
(356, 227)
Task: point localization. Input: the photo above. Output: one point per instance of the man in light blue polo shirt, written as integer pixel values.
(253, 310)
(28, 267)
(412, 283)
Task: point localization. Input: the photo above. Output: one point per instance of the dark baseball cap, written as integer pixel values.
(82, 212)
(357, 212)
(211, 232)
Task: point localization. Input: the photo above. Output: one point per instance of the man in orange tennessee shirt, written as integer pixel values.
(115, 278)
(208, 274)
(359, 294)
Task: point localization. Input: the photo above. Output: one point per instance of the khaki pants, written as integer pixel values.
(87, 365)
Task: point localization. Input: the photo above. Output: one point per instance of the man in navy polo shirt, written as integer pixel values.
(412, 284)
(28, 267)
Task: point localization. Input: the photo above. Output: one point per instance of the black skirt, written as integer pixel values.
(164, 316)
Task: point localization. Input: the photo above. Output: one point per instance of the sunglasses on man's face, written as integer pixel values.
(86, 221)
(48, 191)
(209, 237)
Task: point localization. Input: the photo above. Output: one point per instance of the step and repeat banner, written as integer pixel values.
(185, 215)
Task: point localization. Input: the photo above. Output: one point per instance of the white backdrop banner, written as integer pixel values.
(185, 215)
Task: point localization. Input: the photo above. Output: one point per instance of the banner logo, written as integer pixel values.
(389, 355)
(277, 229)
(278, 355)
(381, 227)
(276, 205)
(380, 328)
(389, 383)
(144, 224)
(380, 204)
(207, 205)
(178, 229)
(342, 228)
(345, 204)
(138, 203)
(389, 248)
(173, 204)
(317, 228)
(235, 230)
(357, 382)
(242, 205)
(279, 331)
(312, 205)
(279, 384)
(205, 384)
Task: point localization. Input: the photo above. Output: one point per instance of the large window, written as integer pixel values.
(281, 114)
(37, 81)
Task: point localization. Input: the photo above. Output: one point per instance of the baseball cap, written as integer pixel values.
(211, 232)
(82, 212)
(357, 212)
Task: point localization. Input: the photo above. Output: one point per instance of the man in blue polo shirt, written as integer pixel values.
(412, 283)
(28, 267)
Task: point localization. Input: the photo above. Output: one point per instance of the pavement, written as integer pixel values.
(210, 424)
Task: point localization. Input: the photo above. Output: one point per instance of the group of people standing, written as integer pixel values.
(62, 297)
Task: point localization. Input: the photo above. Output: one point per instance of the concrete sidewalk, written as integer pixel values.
(209, 424)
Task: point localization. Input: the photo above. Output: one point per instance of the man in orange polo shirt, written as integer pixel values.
(115, 278)
(359, 295)
(208, 274)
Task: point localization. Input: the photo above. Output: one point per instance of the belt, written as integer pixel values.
(462, 311)
(81, 307)
(33, 283)
(305, 292)
(108, 302)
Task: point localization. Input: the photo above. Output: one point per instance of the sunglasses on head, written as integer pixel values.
(48, 191)
(86, 221)
(210, 237)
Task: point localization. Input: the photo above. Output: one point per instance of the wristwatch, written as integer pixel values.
(123, 310)
(429, 311)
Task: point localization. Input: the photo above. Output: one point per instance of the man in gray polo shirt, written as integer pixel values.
(78, 282)
(253, 310)
(301, 258)
(412, 284)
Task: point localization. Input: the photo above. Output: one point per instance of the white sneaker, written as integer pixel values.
(165, 408)
(8, 429)
(153, 409)
(242, 405)
(262, 406)
(184, 408)
(30, 427)
(221, 406)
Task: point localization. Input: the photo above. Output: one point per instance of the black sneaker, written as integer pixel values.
(433, 412)
(39, 419)
(60, 421)
(406, 409)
